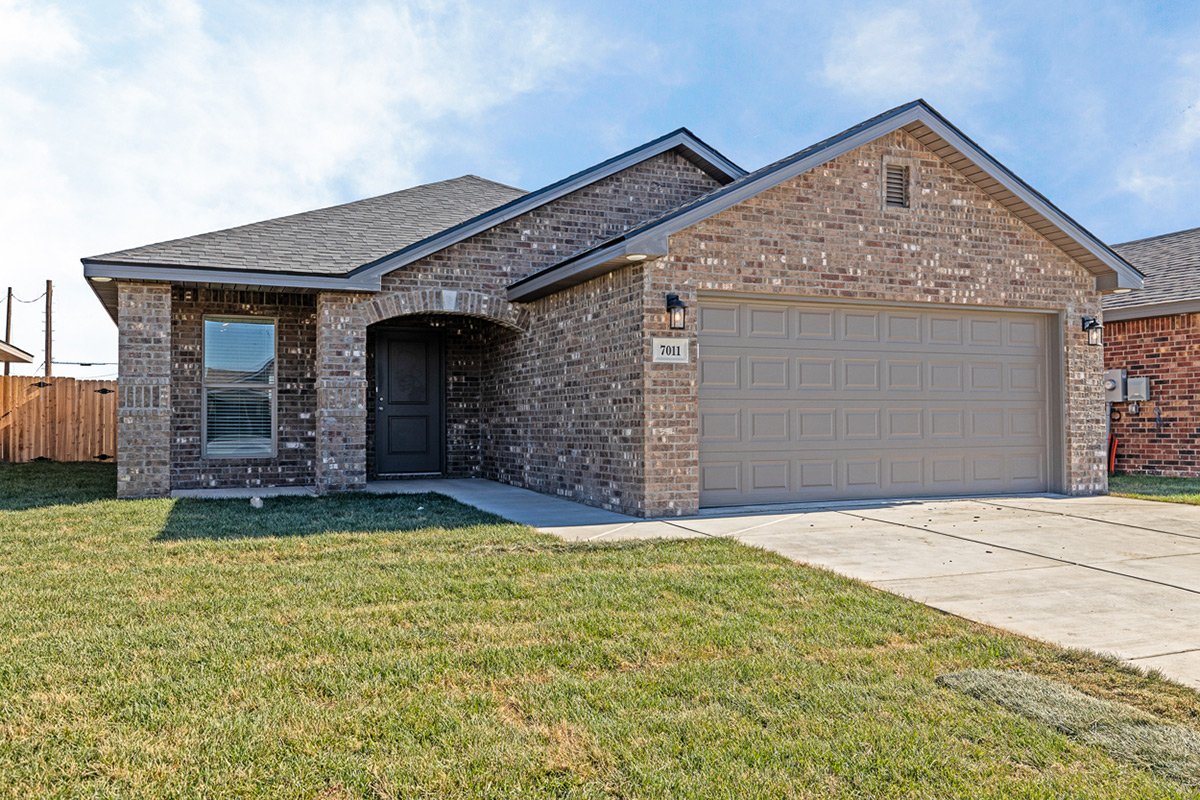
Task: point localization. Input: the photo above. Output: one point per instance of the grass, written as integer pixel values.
(1126, 732)
(1155, 487)
(384, 646)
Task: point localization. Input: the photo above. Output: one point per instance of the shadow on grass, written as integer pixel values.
(194, 518)
(38, 484)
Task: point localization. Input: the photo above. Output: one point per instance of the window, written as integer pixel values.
(895, 188)
(237, 417)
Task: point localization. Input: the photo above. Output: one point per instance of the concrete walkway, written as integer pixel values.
(1103, 573)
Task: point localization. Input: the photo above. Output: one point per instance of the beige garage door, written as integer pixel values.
(811, 401)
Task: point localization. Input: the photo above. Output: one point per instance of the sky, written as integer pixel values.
(123, 124)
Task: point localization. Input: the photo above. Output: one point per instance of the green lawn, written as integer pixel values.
(1155, 487)
(375, 646)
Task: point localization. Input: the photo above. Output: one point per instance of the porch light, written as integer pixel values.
(101, 279)
(677, 309)
(636, 257)
(1092, 327)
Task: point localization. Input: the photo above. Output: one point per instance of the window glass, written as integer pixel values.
(239, 396)
(239, 352)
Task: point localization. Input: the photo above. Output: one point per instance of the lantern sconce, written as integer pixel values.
(1092, 327)
(677, 309)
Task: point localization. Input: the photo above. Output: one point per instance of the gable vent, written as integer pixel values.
(895, 190)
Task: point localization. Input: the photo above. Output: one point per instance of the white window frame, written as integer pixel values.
(272, 387)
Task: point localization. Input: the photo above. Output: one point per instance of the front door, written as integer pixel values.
(410, 435)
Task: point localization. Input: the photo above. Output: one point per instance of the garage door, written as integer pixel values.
(808, 401)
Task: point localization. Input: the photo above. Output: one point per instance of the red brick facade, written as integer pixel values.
(560, 394)
(1163, 438)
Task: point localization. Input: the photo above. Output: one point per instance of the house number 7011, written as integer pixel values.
(671, 351)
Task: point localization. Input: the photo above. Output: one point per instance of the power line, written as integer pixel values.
(34, 300)
(86, 363)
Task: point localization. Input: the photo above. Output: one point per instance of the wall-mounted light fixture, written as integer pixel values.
(1092, 327)
(677, 309)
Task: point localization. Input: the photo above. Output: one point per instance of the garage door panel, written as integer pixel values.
(768, 323)
(904, 329)
(769, 372)
(860, 326)
(720, 372)
(716, 320)
(800, 402)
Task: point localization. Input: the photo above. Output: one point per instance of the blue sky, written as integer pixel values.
(128, 123)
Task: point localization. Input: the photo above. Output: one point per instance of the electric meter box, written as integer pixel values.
(1137, 389)
(1114, 385)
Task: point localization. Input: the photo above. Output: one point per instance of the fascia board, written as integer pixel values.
(1128, 276)
(1151, 310)
(228, 276)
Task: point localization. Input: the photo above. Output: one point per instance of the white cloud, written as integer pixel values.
(936, 50)
(33, 33)
(163, 120)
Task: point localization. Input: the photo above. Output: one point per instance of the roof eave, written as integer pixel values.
(585, 266)
(1151, 310)
(11, 354)
(207, 276)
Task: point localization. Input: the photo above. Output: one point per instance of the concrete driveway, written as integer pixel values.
(1105, 573)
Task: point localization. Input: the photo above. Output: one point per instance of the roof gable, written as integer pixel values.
(917, 119)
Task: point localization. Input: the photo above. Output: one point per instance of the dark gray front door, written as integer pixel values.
(410, 435)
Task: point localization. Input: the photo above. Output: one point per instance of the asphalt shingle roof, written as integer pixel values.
(1171, 264)
(334, 240)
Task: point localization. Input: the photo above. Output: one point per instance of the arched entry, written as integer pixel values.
(428, 379)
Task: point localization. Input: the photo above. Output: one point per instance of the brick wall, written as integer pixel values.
(827, 234)
(341, 378)
(1167, 351)
(586, 448)
(143, 389)
(295, 344)
(562, 405)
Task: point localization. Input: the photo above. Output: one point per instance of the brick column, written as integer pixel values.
(143, 389)
(341, 373)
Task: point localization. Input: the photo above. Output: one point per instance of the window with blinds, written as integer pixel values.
(238, 413)
(895, 190)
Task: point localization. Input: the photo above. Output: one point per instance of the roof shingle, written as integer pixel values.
(1171, 264)
(334, 240)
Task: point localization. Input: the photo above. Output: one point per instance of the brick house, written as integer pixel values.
(1155, 334)
(887, 313)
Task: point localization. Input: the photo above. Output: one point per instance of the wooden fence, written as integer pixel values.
(59, 419)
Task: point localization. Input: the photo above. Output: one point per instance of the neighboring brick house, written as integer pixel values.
(1155, 334)
(887, 313)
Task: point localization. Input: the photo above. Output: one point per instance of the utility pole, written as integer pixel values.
(49, 322)
(8, 325)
